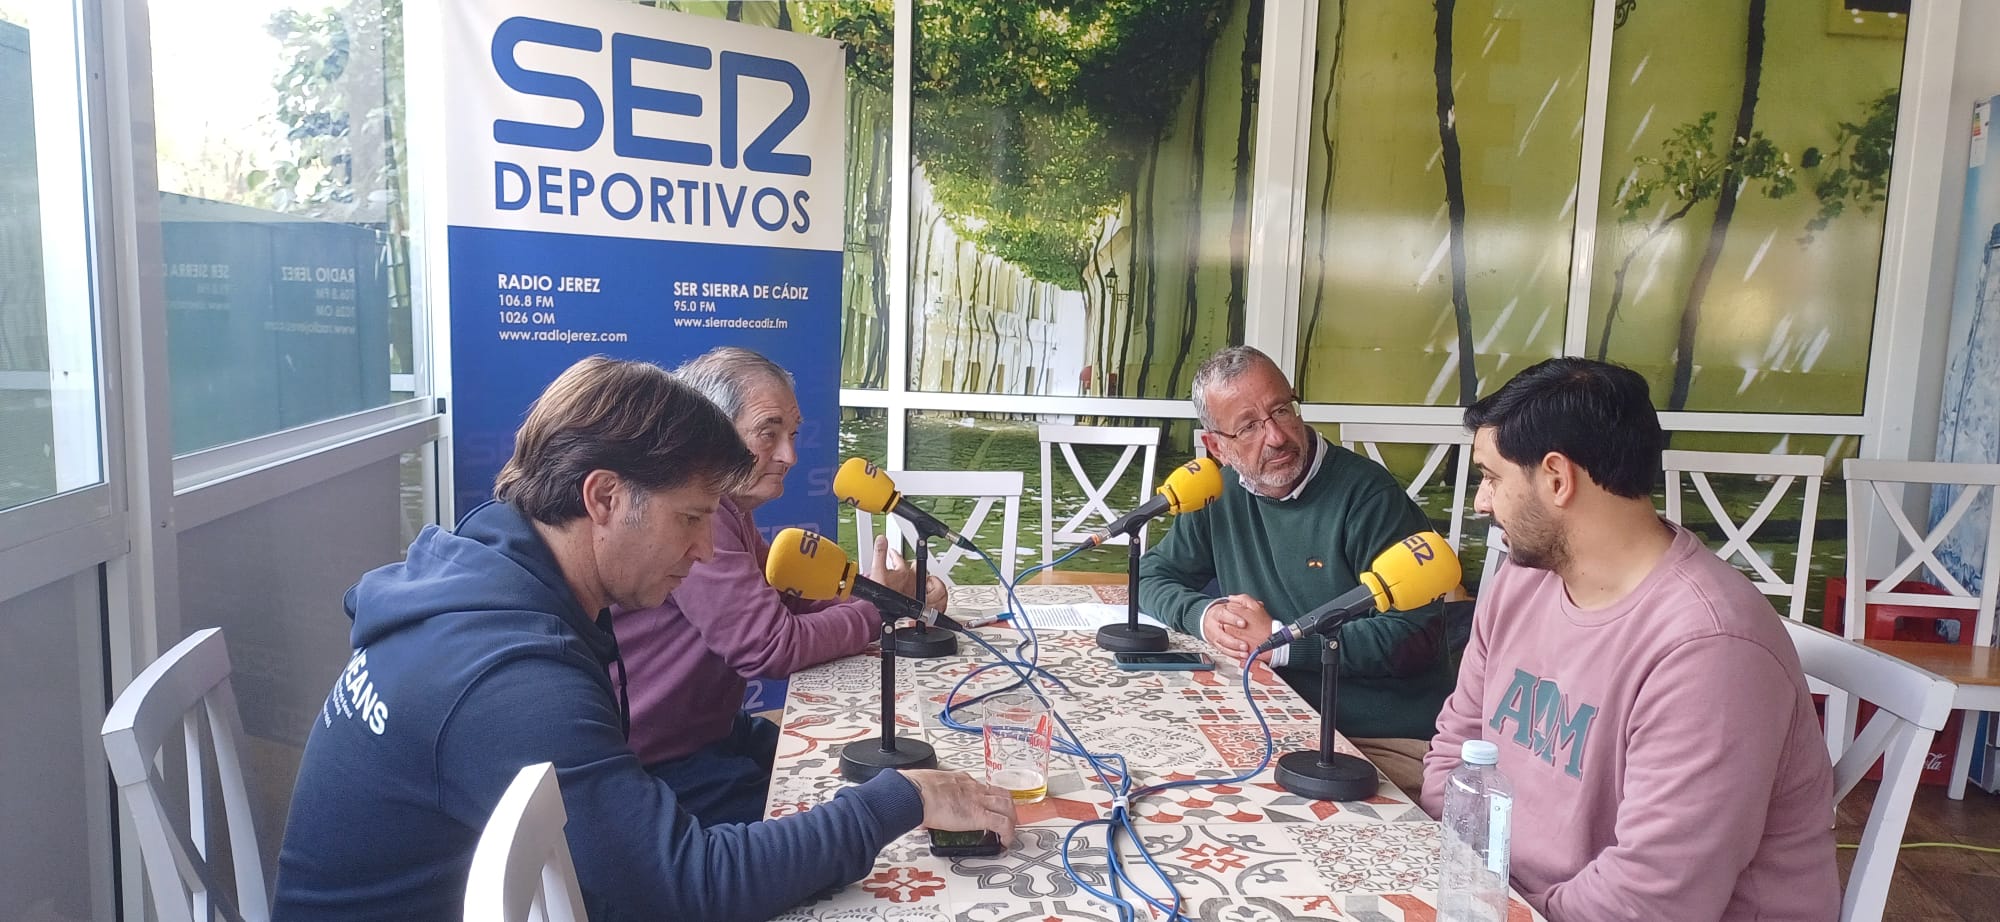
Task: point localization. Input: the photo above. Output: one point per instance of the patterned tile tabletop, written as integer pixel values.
(1236, 852)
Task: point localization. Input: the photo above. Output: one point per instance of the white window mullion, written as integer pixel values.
(1589, 179)
(897, 387)
(1278, 204)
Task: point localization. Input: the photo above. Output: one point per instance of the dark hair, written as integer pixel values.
(630, 418)
(1595, 413)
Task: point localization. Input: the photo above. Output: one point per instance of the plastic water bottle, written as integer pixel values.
(1478, 811)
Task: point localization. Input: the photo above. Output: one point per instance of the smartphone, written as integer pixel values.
(1177, 661)
(977, 843)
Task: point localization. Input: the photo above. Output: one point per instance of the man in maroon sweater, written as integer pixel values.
(689, 660)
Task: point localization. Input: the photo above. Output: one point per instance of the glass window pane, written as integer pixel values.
(283, 208)
(1740, 274)
(1081, 201)
(49, 434)
(1439, 215)
(947, 441)
(864, 433)
(867, 27)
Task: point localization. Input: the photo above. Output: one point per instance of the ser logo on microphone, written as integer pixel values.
(809, 543)
(1420, 548)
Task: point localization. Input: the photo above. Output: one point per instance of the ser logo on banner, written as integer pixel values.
(622, 195)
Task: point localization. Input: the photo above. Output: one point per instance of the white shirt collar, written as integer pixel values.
(1319, 450)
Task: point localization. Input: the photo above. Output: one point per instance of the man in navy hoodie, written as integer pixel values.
(487, 649)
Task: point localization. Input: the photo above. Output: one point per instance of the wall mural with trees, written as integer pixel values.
(1739, 216)
(1740, 224)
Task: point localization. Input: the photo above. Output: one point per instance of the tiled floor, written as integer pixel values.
(1936, 884)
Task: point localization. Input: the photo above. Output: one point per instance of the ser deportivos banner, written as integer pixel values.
(641, 184)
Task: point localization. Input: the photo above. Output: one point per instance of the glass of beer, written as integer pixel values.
(1018, 728)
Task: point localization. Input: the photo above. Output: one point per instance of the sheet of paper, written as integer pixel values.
(1084, 616)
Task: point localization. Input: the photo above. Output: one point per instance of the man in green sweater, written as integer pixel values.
(1298, 520)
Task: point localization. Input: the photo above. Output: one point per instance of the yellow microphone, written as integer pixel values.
(811, 566)
(1412, 573)
(859, 483)
(1190, 487)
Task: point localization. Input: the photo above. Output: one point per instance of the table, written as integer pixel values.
(1975, 669)
(1239, 852)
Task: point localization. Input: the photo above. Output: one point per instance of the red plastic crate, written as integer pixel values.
(1904, 622)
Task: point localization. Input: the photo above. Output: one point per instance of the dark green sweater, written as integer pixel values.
(1297, 555)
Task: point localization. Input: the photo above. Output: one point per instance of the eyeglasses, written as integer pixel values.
(1284, 415)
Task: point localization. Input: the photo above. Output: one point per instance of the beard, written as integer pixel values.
(1535, 540)
(1273, 476)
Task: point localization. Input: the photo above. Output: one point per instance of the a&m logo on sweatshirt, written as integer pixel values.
(1543, 722)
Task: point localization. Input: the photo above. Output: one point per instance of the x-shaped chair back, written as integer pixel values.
(1696, 467)
(1138, 441)
(1441, 439)
(1970, 486)
(985, 488)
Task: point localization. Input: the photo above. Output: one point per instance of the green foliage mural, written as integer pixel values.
(1715, 277)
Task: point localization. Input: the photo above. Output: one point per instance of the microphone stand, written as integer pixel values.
(923, 641)
(1132, 637)
(1326, 774)
(865, 758)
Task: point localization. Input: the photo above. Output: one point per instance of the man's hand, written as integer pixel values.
(956, 802)
(889, 569)
(936, 594)
(1236, 625)
(892, 571)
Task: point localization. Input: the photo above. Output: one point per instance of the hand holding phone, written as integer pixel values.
(975, 843)
(1164, 661)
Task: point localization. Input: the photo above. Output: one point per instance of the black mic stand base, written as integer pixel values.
(1326, 774)
(1339, 777)
(864, 759)
(924, 642)
(1132, 638)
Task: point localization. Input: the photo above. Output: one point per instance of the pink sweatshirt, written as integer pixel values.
(1665, 758)
(688, 661)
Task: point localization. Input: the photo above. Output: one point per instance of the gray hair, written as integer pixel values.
(727, 374)
(1221, 368)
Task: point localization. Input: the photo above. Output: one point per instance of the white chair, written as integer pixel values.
(522, 869)
(985, 488)
(1783, 470)
(1911, 706)
(185, 690)
(1134, 439)
(1496, 554)
(1441, 440)
(1879, 483)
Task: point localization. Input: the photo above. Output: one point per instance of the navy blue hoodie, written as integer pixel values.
(472, 659)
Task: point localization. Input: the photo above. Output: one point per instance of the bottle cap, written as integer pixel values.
(1479, 752)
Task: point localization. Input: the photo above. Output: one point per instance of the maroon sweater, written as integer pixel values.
(688, 661)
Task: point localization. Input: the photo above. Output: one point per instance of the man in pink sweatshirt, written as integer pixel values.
(1648, 705)
(688, 661)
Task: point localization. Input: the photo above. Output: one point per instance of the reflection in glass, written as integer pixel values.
(1746, 159)
(947, 441)
(1440, 196)
(867, 28)
(1080, 210)
(284, 212)
(49, 433)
